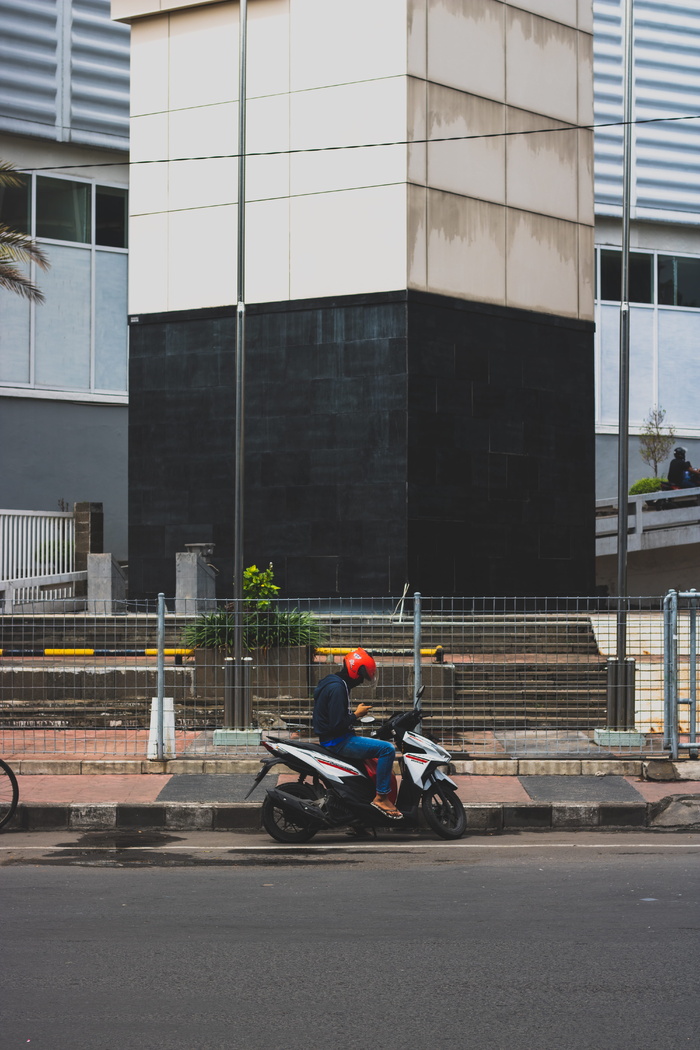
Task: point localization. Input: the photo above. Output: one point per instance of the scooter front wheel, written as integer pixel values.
(280, 825)
(444, 812)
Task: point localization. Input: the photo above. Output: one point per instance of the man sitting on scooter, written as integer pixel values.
(333, 721)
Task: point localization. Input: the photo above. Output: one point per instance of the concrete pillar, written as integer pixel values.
(106, 585)
(89, 537)
(195, 585)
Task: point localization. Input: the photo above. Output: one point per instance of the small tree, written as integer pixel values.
(656, 441)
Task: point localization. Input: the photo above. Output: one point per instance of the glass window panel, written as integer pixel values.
(667, 280)
(607, 380)
(110, 321)
(610, 275)
(110, 217)
(641, 364)
(679, 366)
(14, 338)
(640, 276)
(63, 210)
(14, 206)
(688, 282)
(679, 281)
(62, 342)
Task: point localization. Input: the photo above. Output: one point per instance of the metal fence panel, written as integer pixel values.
(681, 672)
(507, 678)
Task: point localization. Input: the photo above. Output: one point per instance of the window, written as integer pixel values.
(679, 281)
(63, 210)
(641, 283)
(110, 217)
(14, 206)
(75, 342)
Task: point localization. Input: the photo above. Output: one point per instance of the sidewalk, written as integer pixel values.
(210, 795)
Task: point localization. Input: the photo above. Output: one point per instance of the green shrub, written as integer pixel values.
(265, 626)
(266, 629)
(646, 485)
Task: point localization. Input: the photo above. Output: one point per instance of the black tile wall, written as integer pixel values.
(388, 437)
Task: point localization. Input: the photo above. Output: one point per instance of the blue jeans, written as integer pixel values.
(361, 747)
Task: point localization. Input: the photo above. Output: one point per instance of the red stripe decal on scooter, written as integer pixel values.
(343, 769)
(414, 758)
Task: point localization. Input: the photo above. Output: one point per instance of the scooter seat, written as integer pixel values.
(303, 745)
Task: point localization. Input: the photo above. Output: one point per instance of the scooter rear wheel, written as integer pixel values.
(280, 825)
(444, 812)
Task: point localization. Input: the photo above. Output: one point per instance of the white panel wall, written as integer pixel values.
(321, 74)
(500, 219)
(508, 220)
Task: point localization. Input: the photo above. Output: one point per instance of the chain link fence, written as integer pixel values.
(503, 677)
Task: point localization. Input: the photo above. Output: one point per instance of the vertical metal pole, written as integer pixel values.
(160, 687)
(671, 673)
(417, 670)
(692, 670)
(239, 452)
(623, 408)
(667, 666)
(229, 685)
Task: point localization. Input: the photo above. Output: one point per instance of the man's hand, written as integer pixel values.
(362, 709)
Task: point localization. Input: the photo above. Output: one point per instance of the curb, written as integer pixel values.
(675, 812)
(476, 766)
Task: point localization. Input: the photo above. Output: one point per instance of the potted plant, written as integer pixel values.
(278, 639)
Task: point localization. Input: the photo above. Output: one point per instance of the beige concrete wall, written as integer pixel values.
(508, 220)
(505, 219)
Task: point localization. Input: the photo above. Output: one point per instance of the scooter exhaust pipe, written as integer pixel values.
(296, 807)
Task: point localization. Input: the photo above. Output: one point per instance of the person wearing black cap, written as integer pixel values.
(680, 473)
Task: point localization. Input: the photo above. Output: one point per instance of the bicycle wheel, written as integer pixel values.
(9, 793)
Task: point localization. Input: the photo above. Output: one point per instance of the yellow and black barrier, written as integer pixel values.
(438, 652)
(177, 653)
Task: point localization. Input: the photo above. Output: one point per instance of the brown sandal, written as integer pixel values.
(387, 808)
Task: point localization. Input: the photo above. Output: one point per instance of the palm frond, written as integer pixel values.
(13, 280)
(9, 176)
(18, 247)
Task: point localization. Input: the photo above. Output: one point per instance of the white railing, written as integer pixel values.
(676, 524)
(36, 543)
(37, 556)
(28, 592)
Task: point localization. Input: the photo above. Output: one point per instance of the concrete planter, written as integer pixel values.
(274, 672)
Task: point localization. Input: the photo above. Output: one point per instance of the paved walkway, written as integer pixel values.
(146, 788)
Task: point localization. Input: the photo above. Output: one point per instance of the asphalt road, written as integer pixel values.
(210, 941)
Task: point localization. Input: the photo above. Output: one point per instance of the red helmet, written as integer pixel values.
(360, 665)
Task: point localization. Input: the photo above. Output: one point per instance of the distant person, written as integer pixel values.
(680, 473)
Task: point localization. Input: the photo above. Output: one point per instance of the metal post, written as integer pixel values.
(229, 690)
(247, 706)
(239, 452)
(417, 670)
(692, 671)
(160, 686)
(623, 407)
(671, 673)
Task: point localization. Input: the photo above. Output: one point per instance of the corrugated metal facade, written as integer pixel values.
(64, 71)
(666, 181)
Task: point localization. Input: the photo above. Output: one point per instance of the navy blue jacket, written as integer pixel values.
(332, 714)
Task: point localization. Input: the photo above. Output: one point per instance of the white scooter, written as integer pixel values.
(334, 792)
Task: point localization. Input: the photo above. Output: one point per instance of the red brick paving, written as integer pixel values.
(653, 790)
(490, 789)
(84, 787)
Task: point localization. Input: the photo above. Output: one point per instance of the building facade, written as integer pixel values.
(64, 120)
(419, 267)
(665, 227)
